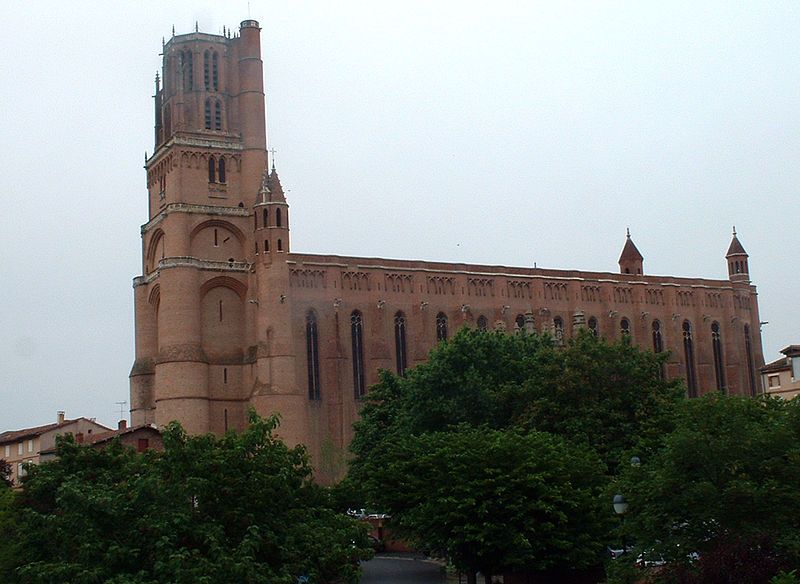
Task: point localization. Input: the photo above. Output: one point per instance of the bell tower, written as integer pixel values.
(738, 269)
(193, 311)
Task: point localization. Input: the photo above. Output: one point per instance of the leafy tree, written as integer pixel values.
(240, 508)
(724, 485)
(5, 473)
(496, 500)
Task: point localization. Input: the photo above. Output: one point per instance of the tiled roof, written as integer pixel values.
(630, 252)
(781, 364)
(735, 248)
(17, 435)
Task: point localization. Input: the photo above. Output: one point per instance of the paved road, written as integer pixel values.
(401, 570)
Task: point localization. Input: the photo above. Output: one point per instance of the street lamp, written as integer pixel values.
(635, 461)
(620, 507)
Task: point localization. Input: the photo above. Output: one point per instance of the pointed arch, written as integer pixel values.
(212, 169)
(224, 282)
(441, 327)
(400, 342)
(312, 355)
(221, 170)
(748, 352)
(215, 71)
(357, 343)
(719, 363)
(688, 353)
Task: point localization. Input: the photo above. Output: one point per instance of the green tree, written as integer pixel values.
(726, 485)
(240, 508)
(496, 500)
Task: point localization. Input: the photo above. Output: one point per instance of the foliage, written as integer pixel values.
(241, 508)
(725, 485)
(5, 473)
(494, 500)
(785, 578)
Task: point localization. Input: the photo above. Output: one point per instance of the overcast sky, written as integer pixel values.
(486, 132)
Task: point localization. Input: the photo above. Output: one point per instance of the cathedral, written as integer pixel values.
(228, 317)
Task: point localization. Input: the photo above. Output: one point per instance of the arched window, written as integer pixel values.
(441, 327)
(218, 115)
(167, 122)
(748, 351)
(688, 353)
(187, 72)
(400, 342)
(212, 169)
(625, 328)
(280, 245)
(719, 364)
(206, 66)
(312, 354)
(357, 337)
(558, 330)
(593, 326)
(519, 323)
(483, 324)
(266, 245)
(221, 173)
(266, 217)
(215, 71)
(658, 344)
(277, 217)
(208, 114)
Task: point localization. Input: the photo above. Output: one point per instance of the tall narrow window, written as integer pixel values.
(212, 169)
(688, 353)
(266, 217)
(748, 351)
(593, 327)
(215, 71)
(400, 342)
(719, 366)
(483, 324)
(441, 327)
(519, 322)
(658, 344)
(225, 375)
(188, 71)
(206, 71)
(222, 169)
(167, 122)
(625, 328)
(280, 245)
(357, 337)
(217, 115)
(225, 418)
(266, 245)
(277, 217)
(558, 330)
(312, 354)
(208, 114)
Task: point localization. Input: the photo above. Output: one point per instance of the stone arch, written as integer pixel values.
(225, 282)
(155, 250)
(154, 298)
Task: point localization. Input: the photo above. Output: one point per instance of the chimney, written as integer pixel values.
(79, 437)
(123, 425)
(60, 417)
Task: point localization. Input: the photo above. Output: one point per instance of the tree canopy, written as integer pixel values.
(492, 418)
(726, 485)
(237, 508)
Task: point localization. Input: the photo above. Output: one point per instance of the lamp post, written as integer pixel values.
(620, 507)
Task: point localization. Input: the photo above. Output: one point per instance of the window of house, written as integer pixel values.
(625, 328)
(142, 444)
(774, 381)
(208, 114)
(20, 449)
(206, 70)
(312, 356)
(212, 169)
(592, 324)
(215, 71)
(719, 363)
(441, 327)
(221, 168)
(400, 342)
(558, 330)
(688, 353)
(280, 245)
(218, 115)
(483, 324)
(30, 445)
(519, 322)
(7, 451)
(21, 472)
(277, 217)
(748, 350)
(357, 338)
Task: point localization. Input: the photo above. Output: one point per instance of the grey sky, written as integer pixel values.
(500, 132)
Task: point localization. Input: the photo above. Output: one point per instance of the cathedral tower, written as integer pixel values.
(195, 332)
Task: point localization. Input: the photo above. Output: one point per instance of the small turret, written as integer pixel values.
(738, 270)
(271, 215)
(630, 260)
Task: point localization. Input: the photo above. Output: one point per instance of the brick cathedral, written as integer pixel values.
(228, 317)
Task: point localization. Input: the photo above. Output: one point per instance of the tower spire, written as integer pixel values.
(738, 268)
(630, 260)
